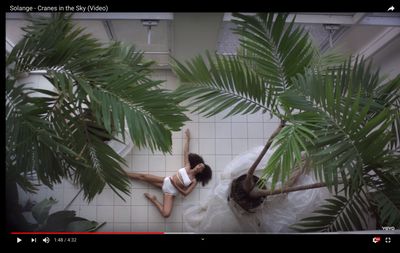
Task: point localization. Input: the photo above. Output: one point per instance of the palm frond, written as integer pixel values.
(226, 83)
(329, 59)
(270, 55)
(352, 125)
(148, 114)
(103, 166)
(388, 205)
(278, 51)
(337, 214)
(127, 54)
(289, 143)
(54, 43)
(388, 94)
(32, 144)
(385, 195)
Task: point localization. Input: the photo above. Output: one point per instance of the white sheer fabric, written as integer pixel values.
(278, 212)
(122, 148)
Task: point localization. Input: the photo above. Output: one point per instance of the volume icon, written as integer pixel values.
(46, 240)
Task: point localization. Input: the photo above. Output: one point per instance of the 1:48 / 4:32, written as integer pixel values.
(65, 239)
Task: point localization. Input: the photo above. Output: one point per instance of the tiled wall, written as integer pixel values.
(218, 140)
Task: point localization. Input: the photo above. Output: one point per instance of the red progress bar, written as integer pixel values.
(87, 233)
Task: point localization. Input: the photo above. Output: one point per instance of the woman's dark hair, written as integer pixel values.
(203, 176)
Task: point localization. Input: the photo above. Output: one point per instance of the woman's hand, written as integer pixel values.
(173, 182)
(183, 192)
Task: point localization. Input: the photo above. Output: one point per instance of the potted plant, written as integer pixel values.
(50, 135)
(339, 121)
(36, 217)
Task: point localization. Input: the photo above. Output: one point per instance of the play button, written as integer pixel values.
(18, 240)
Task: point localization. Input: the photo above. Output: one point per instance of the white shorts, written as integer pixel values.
(168, 187)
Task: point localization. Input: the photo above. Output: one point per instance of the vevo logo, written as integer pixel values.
(376, 239)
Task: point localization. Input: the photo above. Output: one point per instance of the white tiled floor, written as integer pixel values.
(218, 140)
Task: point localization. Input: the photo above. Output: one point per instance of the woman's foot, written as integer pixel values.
(150, 197)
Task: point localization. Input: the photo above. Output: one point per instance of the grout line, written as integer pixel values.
(247, 130)
(231, 125)
(130, 215)
(215, 149)
(148, 189)
(113, 211)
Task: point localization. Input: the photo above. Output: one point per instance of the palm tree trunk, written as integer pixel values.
(256, 193)
(248, 183)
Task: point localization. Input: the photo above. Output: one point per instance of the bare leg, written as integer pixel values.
(165, 208)
(152, 179)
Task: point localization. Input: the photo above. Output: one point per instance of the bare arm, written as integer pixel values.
(186, 191)
(186, 149)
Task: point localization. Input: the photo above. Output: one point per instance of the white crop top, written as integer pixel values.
(186, 180)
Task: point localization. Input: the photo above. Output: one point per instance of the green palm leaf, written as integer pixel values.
(352, 125)
(388, 204)
(278, 51)
(103, 167)
(271, 55)
(386, 194)
(226, 83)
(147, 114)
(289, 143)
(338, 214)
(388, 94)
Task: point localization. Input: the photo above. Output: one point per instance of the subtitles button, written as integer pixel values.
(376, 239)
